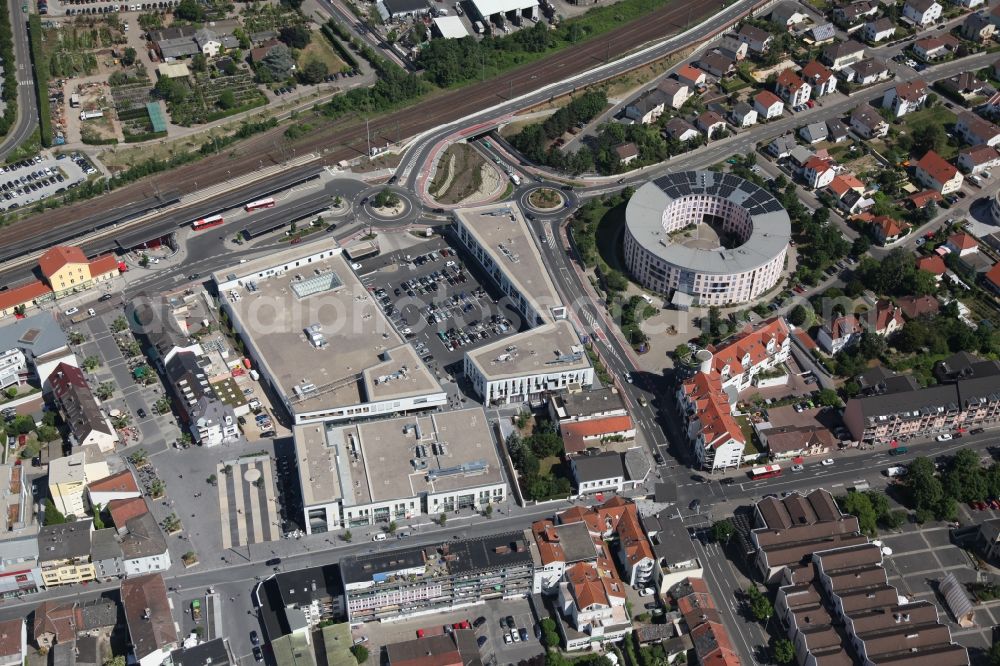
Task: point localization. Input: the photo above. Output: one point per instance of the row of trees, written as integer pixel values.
(872, 510)
(963, 479)
(533, 141)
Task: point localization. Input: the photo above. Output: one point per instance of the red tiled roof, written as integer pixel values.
(750, 342)
(56, 618)
(690, 73)
(911, 91)
(980, 154)
(789, 79)
(937, 167)
(816, 72)
(26, 293)
(124, 510)
(122, 482)
(65, 375)
(962, 241)
(806, 341)
(932, 264)
(58, 256)
(843, 183)
(890, 227)
(921, 199)
(766, 99)
(103, 264)
(575, 433)
(10, 637)
(993, 276)
(914, 306)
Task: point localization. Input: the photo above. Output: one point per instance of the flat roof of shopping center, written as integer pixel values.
(319, 332)
(378, 461)
(549, 348)
(504, 235)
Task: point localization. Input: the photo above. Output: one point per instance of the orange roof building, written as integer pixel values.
(932, 264)
(123, 510)
(992, 278)
(737, 359)
(578, 435)
(709, 636)
(120, 486)
(26, 295)
(66, 269)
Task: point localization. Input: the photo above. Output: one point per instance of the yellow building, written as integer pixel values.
(69, 476)
(64, 553)
(66, 269)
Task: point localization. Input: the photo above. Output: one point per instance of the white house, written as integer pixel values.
(743, 115)
(818, 172)
(922, 12)
(938, 174)
(117, 486)
(675, 92)
(905, 97)
(975, 130)
(868, 123)
(814, 132)
(879, 30)
(599, 472)
(840, 333)
(593, 603)
(821, 79)
(144, 548)
(841, 54)
(681, 130)
(976, 159)
(213, 422)
(791, 88)
(208, 42)
(768, 105)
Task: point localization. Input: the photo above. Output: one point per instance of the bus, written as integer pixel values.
(765, 472)
(259, 204)
(207, 222)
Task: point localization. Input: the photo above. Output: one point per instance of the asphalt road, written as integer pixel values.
(27, 107)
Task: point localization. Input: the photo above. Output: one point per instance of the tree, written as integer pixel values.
(278, 62)
(199, 62)
(47, 433)
(759, 604)
(190, 10)
(227, 100)
(386, 198)
(964, 480)
(212, 480)
(783, 651)
(550, 634)
(860, 246)
(119, 324)
(128, 56)
(442, 519)
(860, 506)
(798, 315)
(91, 363)
(292, 4)
(347, 536)
(828, 398)
(11, 392)
(105, 390)
(924, 488)
(314, 71)
(929, 136)
(722, 530)
(52, 514)
(296, 36)
(115, 661)
(21, 425)
(994, 654)
(392, 527)
(360, 653)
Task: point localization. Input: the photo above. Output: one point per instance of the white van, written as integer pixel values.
(379, 537)
(478, 27)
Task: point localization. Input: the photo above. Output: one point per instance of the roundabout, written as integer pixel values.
(545, 199)
(399, 208)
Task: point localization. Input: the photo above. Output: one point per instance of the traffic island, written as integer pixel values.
(189, 559)
(546, 200)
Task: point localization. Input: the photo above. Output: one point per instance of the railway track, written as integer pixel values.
(346, 138)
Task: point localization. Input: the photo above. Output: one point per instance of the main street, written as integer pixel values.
(27, 108)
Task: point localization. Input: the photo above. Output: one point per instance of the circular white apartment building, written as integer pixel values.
(705, 238)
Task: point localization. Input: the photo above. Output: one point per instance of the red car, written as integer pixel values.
(972, 505)
(981, 506)
(995, 503)
(420, 633)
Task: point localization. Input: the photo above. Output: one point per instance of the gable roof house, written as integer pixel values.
(837, 129)
(905, 97)
(814, 132)
(868, 123)
(966, 85)
(782, 146)
(849, 16)
(885, 319)
(788, 14)
(743, 115)
(822, 33)
(681, 130)
(888, 229)
(626, 152)
(758, 40)
(879, 30)
(647, 108)
(675, 92)
(922, 12)
(792, 88)
(938, 174)
(842, 332)
(710, 123)
(147, 614)
(717, 64)
(80, 409)
(13, 642)
(842, 54)
(975, 159)
(821, 79)
(962, 244)
(731, 46)
(768, 105)
(867, 72)
(977, 28)
(690, 75)
(975, 130)
(818, 172)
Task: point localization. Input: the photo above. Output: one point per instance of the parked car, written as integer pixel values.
(944, 437)
(826, 462)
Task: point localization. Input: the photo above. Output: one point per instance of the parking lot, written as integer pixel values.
(439, 301)
(920, 559)
(28, 181)
(493, 614)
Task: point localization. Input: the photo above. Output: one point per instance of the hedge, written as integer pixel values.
(339, 47)
(146, 136)
(41, 78)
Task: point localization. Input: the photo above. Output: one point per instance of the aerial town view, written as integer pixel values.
(500, 333)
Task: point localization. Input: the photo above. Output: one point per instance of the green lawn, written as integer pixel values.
(937, 115)
(545, 465)
(748, 433)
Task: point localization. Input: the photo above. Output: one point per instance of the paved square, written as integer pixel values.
(938, 537)
(248, 502)
(908, 564)
(905, 543)
(951, 557)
